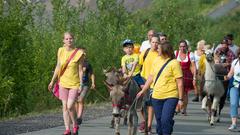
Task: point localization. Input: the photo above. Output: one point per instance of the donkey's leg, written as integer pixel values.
(112, 122)
(130, 123)
(135, 122)
(117, 123)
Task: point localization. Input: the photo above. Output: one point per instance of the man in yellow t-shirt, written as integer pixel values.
(129, 63)
(146, 59)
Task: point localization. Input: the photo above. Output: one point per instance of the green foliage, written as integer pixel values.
(29, 41)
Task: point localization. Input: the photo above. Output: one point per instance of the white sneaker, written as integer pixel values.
(232, 128)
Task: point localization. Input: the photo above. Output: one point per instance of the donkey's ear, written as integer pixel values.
(106, 70)
(110, 88)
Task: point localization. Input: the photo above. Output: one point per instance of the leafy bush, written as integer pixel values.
(29, 41)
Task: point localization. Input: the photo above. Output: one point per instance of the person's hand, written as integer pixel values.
(140, 93)
(226, 77)
(225, 64)
(180, 103)
(50, 86)
(194, 82)
(125, 76)
(93, 86)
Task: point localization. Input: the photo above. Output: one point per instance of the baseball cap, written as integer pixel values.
(127, 42)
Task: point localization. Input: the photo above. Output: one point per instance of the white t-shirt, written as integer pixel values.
(236, 76)
(145, 45)
(196, 58)
(191, 55)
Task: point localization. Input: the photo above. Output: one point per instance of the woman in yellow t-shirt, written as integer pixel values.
(70, 80)
(167, 89)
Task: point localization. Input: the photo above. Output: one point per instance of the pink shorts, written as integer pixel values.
(67, 93)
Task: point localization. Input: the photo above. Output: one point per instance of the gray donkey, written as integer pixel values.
(123, 90)
(212, 86)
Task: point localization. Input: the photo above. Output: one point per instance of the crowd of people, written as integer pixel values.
(170, 75)
(165, 77)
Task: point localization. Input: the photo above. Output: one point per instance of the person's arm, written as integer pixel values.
(56, 71)
(55, 75)
(193, 66)
(123, 66)
(146, 86)
(230, 74)
(93, 81)
(180, 90)
(133, 69)
(193, 70)
(80, 72)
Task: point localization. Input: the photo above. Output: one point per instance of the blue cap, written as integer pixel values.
(127, 42)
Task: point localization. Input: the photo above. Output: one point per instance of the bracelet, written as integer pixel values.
(180, 99)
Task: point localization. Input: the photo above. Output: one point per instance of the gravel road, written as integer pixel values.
(35, 123)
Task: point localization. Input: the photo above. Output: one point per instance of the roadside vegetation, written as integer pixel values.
(29, 41)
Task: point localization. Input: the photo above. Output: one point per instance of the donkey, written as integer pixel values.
(120, 89)
(212, 86)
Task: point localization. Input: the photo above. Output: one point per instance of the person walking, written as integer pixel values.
(146, 59)
(234, 90)
(187, 63)
(87, 76)
(146, 44)
(197, 54)
(70, 60)
(166, 80)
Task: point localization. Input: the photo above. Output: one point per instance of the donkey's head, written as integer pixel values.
(115, 86)
(113, 76)
(116, 94)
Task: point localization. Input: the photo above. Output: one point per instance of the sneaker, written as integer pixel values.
(141, 128)
(232, 128)
(67, 132)
(184, 113)
(75, 130)
(150, 131)
(196, 99)
(79, 121)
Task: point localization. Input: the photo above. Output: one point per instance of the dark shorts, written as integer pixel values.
(139, 80)
(148, 97)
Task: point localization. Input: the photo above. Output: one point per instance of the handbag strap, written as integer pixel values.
(145, 54)
(68, 61)
(160, 71)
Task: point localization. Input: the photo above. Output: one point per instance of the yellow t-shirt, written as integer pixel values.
(166, 85)
(70, 78)
(147, 64)
(201, 64)
(128, 61)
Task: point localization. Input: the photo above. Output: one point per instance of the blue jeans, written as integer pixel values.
(234, 101)
(139, 80)
(164, 112)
